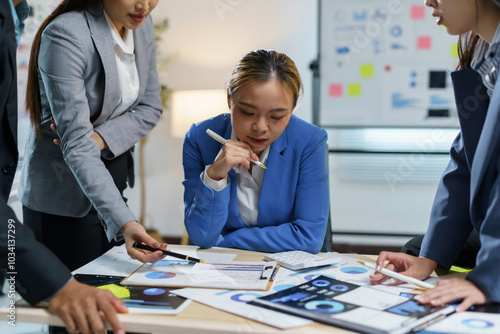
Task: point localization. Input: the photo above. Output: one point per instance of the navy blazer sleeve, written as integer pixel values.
(456, 209)
(38, 273)
(450, 223)
(300, 212)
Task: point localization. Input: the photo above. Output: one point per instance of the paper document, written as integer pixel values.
(237, 302)
(467, 323)
(180, 273)
(117, 262)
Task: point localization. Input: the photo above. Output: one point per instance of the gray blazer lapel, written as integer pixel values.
(101, 35)
(487, 141)
(272, 184)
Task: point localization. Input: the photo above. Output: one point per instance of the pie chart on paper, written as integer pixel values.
(160, 275)
(353, 270)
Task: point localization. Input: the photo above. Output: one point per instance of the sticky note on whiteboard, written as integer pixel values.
(367, 70)
(336, 90)
(417, 12)
(354, 90)
(424, 42)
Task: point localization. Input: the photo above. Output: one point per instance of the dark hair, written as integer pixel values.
(262, 66)
(466, 47)
(33, 100)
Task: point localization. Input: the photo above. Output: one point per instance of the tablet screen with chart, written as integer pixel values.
(340, 303)
(138, 299)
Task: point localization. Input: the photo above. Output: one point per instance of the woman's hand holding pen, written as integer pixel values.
(417, 267)
(446, 291)
(232, 153)
(135, 232)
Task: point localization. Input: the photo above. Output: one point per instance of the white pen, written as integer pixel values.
(398, 276)
(222, 140)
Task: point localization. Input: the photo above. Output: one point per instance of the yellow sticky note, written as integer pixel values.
(367, 70)
(454, 50)
(354, 89)
(457, 269)
(117, 291)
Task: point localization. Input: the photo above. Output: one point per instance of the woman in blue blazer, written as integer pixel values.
(232, 202)
(93, 71)
(468, 196)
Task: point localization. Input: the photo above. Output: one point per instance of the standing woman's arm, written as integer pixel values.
(62, 65)
(63, 58)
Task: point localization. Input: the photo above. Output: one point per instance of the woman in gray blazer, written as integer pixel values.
(93, 70)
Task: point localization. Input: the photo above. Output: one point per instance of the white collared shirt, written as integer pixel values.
(248, 187)
(487, 60)
(128, 77)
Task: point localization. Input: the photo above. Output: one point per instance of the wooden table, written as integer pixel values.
(196, 318)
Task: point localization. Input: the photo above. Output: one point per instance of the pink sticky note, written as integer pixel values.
(417, 12)
(335, 90)
(424, 42)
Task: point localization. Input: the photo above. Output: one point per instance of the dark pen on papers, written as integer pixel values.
(167, 252)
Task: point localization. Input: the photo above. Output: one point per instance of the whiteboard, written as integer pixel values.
(384, 63)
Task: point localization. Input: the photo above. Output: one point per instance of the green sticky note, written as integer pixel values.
(454, 50)
(367, 70)
(354, 89)
(117, 291)
(457, 269)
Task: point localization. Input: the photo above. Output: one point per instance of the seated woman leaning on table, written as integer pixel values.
(230, 201)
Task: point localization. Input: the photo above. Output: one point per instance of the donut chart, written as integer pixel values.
(325, 306)
(477, 323)
(320, 283)
(245, 297)
(339, 287)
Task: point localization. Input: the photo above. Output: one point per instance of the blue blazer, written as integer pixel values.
(468, 195)
(294, 198)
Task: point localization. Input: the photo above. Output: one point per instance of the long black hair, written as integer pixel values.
(33, 100)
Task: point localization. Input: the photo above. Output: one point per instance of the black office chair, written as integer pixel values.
(327, 242)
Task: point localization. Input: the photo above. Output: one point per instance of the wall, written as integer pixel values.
(205, 39)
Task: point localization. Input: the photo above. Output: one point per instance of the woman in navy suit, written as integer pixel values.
(232, 202)
(468, 196)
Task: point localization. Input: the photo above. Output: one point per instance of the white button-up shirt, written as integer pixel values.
(487, 60)
(128, 77)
